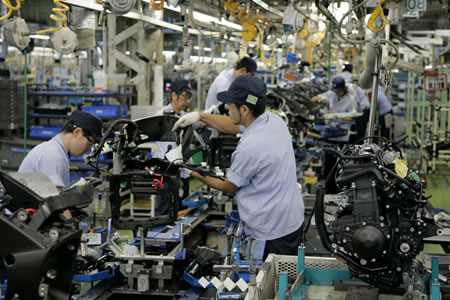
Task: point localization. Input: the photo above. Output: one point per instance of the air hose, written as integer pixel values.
(61, 11)
(11, 8)
(25, 105)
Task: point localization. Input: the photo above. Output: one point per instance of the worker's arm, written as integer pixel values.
(216, 183)
(67, 212)
(321, 97)
(220, 122)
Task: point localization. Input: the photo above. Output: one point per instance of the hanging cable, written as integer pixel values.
(61, 11)
(354, 42)
(25, 105)
(11, 8)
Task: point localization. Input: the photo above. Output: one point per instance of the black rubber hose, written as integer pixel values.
(342, 179)
(320, 223)
(336, 153)
(110, 129)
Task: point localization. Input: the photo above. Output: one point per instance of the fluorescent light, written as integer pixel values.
(204, 48)
(40, 37)
(195, 59)
(230, 24)
(206, 18)
(127, 52)
(208, 59)
(428, 67)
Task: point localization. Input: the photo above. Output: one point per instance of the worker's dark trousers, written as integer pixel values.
(360, 127)
(286, 245)
(385, 131)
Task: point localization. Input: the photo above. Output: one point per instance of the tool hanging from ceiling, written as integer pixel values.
(64, 41)
(15, 28)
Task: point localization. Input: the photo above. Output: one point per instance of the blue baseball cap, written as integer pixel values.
(93, 125)
(247, 63)
(337, 84)
(181, 85)
(246, 90)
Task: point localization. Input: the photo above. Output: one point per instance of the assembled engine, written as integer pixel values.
(382, 215)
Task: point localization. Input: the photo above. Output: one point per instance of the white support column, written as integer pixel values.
(114, 53)
(112, 62)
(158, 71)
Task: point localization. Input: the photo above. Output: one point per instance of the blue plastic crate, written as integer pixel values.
(124, 110)
(94, 101)
(105, 111)
(45, 132)
(4, 288)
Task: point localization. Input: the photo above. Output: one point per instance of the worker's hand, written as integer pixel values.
(315, 99)
(187, 120)
(213, 109)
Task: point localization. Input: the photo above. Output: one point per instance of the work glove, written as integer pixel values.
(187, 120)
(213, 109)
(187, 171)
(87, 180)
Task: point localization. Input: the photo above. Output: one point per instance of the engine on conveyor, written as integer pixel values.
(381, 215)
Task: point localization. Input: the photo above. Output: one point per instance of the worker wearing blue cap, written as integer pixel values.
(246, 66)
(77, 136)
(263, 170)
(344, 97)
(180, 98)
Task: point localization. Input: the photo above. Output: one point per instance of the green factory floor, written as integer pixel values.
(438, 186)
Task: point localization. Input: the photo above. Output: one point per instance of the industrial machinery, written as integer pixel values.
(139, 183)
(380, 216)
(39, 244)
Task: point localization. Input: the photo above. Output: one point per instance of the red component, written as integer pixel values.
(31, 210)
(158, 184)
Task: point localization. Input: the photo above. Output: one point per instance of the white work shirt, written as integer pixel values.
(220, 84)
(163, 147)
(50, 158)
(347, 76)
(345, 104)
(383, 104)
(263, 167)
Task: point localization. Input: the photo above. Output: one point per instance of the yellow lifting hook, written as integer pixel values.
(378, 12)
(157, 4)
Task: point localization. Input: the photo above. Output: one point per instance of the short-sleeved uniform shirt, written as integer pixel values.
(263, 167)
(383, 104)
(345, 104)
(50, 158)
(220, 84)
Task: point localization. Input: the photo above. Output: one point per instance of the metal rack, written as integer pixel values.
(428, 117)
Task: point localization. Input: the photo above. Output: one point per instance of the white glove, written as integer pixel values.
(175, 155)
(187, 171)
(212, 110)
(186, 120)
